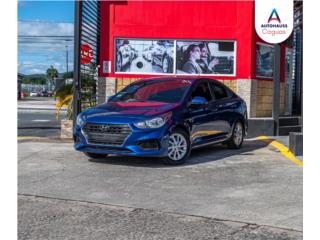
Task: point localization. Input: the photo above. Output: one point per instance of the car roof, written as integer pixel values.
(190, 78)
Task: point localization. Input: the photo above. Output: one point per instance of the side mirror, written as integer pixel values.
(198, 102)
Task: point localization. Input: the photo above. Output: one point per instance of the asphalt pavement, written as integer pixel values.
(37, 117)
(251, 193)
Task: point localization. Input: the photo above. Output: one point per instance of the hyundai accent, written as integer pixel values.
(162, 117)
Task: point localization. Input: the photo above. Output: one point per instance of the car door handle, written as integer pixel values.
(217, 107)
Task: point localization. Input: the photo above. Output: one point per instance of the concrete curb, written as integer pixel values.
(283, 149)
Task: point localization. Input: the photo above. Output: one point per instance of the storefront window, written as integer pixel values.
(264, 61)
(144, 56)
(159, 56)
(205, 57)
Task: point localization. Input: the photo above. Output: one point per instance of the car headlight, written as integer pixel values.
(80, 120)
(154, 122)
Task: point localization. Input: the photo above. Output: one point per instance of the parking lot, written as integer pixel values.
(251, 193)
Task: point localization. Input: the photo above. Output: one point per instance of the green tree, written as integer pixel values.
(51, 74)
(68, 75)
(25, 80)
(34, 80)
(38, 80)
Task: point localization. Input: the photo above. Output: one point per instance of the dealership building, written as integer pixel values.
(141, 39)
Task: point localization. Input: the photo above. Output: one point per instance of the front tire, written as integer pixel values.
(237, 136)
(95, 155)
(178, 148)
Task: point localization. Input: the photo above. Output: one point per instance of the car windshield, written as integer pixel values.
(171, 91)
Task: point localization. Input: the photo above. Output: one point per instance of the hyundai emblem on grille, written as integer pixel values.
(105, 127)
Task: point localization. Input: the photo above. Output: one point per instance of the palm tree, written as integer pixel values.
(51, 74)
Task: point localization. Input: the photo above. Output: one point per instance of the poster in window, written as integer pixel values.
(144, 56)
(264, 61)
(205, 57)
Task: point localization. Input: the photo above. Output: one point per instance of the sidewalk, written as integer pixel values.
(285, 141)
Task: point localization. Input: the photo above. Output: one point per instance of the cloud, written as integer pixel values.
(47, 44)
(39, 28)
(37, 67)
(29, 67)
(35, 55)
(43, 47)
(22, 3)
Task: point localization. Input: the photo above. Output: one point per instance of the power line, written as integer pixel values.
(51, 42)
(42, 21)
(46, 36)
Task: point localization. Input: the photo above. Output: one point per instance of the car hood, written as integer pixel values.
(122, 112)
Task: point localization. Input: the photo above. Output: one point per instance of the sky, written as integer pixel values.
(41, 19)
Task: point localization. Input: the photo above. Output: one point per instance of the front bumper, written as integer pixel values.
(131, 146)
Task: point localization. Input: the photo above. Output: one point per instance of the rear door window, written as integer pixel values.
(219, 92)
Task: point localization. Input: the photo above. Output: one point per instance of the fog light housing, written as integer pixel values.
(151, 144)
(76, 139)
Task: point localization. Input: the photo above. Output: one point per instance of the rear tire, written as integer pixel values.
(237, 136)
(178, 148)
(95, 155)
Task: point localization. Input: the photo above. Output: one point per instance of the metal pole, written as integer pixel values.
(276, 89)
(76, 68)
(67, 59)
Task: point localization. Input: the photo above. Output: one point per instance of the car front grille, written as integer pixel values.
(106, 134)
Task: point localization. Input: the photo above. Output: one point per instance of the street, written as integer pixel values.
(37, 117)
(252, 193)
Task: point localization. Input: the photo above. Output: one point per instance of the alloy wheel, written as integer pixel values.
(177, 146)
(238, 134)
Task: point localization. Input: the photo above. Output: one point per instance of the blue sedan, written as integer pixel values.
(163, 117)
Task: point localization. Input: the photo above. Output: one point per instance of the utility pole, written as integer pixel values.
(67, 59)
(76, 62)
(276, 89)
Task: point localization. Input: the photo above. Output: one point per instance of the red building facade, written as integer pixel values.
(149, 38)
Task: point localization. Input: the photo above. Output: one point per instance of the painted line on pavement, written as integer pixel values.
(40, 120)
(283, 149)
